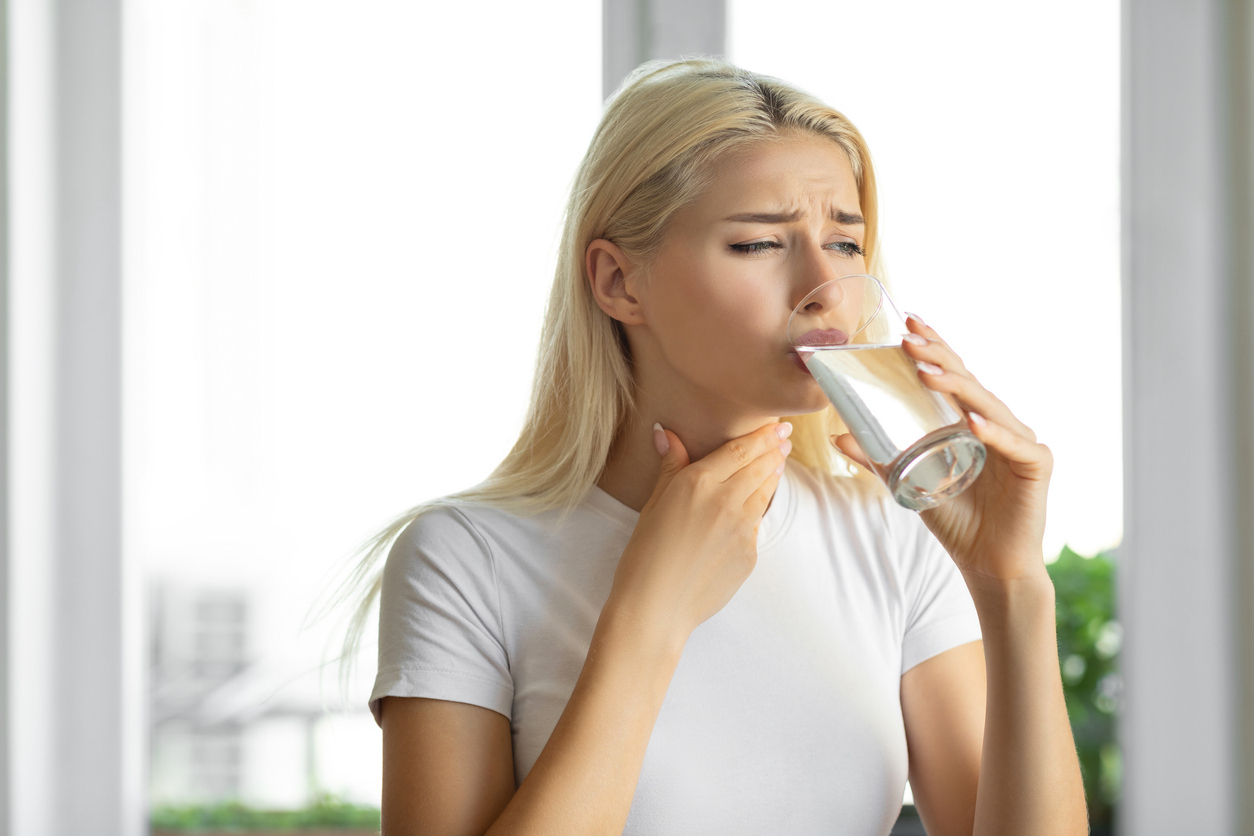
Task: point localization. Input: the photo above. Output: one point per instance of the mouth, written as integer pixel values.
(821, 336)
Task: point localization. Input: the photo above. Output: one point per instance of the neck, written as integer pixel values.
(633, 465)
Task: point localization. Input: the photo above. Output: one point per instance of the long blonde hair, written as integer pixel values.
(651, 155)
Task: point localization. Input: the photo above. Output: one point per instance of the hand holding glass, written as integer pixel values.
(848, 332)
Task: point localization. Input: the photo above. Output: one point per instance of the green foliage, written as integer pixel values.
(1088, 648)
(326, 813)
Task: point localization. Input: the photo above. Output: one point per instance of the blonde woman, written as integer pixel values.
(672, 608)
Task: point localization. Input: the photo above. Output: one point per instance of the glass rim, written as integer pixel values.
(879, 305)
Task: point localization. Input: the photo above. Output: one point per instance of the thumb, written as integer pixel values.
(674, 457)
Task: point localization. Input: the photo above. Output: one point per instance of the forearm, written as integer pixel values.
(1029, 774)
(585, 778)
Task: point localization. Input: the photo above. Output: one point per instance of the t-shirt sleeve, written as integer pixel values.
(939, 613)
(440, 633)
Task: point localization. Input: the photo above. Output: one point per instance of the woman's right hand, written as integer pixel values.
(696, 540)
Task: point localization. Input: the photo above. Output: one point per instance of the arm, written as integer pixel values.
(694, 545)
(1029, 776)
(1030, 779)
(942, 703)
(448, 767)
(990, 744)
(585, 777)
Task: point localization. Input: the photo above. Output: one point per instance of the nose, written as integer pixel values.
(815, 271)
(824, 298)
(817, 293)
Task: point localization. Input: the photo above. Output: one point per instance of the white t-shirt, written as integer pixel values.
(784, 715)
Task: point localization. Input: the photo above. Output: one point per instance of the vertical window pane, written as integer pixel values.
(331, 209)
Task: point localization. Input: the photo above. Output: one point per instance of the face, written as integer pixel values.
(779, 220)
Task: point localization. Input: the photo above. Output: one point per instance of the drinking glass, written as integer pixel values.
(848, 333)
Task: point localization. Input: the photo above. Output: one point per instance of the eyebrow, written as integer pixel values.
(840, 216)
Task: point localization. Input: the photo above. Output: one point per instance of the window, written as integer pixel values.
(323, 202)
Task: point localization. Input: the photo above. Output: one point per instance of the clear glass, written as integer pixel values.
(848, 332)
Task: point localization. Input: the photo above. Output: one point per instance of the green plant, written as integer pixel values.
(1088, 650)
(325, 813)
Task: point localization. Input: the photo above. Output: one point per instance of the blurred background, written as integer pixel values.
(244, 238)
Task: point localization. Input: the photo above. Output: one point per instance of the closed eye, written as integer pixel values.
(755, 246)
(848, 248)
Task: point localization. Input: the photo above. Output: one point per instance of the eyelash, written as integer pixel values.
(849, 247)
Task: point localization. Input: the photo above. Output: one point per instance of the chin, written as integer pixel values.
(801, 403)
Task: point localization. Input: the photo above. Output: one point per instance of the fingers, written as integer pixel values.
(760, 498)
(848, 445)
(942, 370)
(739, 468)
(674, 459)
(671, 449)
(729, 459)
(1027, 459)
(747, 481)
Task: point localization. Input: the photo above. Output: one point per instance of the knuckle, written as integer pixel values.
(740, 453)
(696, 473)
(690, 481)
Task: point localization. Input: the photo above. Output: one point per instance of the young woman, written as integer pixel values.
(669, 609)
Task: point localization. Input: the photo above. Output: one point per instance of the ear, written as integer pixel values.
(610, 275)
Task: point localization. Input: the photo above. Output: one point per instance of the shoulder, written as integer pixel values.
(440, 539)
(439, 525)
(467, 534)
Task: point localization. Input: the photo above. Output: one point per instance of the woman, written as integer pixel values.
(671, 611)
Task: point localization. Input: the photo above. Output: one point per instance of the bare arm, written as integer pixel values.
(1030, 779)
(1029, 776)
(585, 777)
(448, 767)
(942, 702)
(990, 743)
(693, 547)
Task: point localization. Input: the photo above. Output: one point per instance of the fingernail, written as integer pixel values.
(784, 430)
(786, 448)
(660, 441)
(915, 317)
(978, 419)
(781, 467)
(914, 339)
(929, 368)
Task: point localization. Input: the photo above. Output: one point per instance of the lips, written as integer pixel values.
(822, 336)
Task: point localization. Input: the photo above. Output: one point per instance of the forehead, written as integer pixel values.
(803, 172)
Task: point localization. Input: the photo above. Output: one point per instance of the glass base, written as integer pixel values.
(937, 467)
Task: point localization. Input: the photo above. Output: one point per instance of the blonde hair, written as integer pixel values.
(651, 154)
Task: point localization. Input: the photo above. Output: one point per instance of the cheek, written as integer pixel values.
(716, 323)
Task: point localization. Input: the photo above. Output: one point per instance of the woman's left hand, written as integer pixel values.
(994, 528)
